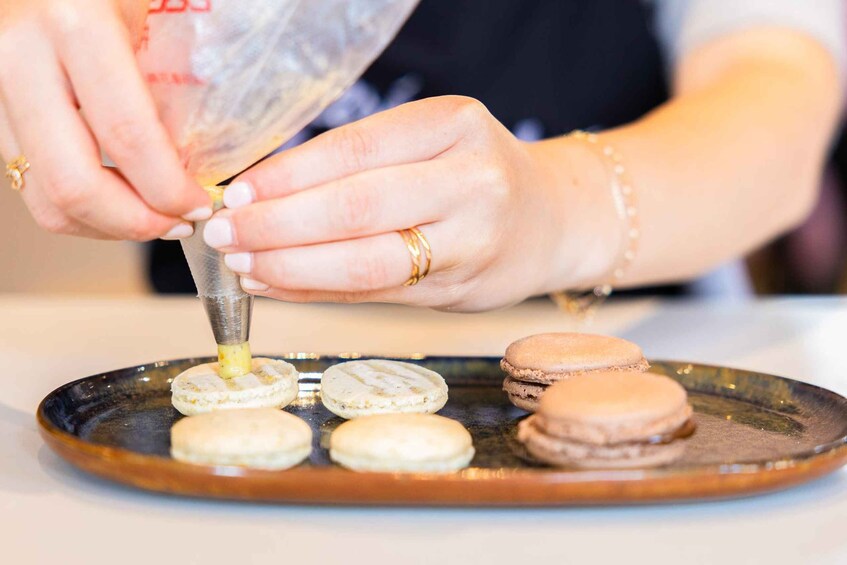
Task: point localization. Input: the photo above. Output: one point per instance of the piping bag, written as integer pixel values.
(233, 80)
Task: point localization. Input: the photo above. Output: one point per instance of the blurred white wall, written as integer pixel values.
(32, 260)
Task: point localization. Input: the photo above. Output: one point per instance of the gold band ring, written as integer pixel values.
(421, 253)
(15, 172)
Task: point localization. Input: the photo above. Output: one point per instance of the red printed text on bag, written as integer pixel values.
(178, 6)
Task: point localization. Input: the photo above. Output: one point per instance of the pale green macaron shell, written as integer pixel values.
(260, 438)
(402, 443)
(373, 386)
(200, 389)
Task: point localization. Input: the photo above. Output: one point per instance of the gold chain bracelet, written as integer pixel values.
(583, 303)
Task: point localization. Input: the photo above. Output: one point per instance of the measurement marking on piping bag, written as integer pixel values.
(179, 6)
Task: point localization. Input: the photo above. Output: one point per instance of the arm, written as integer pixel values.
(730, 162)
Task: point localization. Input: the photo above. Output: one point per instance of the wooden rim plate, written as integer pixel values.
(756, 433)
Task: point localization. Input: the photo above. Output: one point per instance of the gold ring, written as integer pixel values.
(427, 251)
(15, 172)
(419, 249)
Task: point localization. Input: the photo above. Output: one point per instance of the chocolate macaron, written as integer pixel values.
(609, 420)
(535, 362)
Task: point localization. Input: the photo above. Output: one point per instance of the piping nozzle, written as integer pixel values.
(227, 306)
(229, 317)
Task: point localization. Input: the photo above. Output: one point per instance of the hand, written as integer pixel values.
(60, 56)
(319, 222)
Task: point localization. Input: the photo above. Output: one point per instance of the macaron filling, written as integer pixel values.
(543, 377)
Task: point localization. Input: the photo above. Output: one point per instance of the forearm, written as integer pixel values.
(730, 162)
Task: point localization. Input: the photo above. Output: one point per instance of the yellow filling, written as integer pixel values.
(216, 193)
(235, 360)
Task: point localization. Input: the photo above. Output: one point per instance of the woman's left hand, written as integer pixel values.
(319, 222)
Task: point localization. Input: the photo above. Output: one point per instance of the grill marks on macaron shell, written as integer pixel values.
(387, 379)
(373, 386)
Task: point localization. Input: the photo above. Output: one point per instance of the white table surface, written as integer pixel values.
(51, 513)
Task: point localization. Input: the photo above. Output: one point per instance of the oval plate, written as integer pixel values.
(755, 433)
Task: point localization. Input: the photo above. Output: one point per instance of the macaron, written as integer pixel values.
(260, 438)
(200, 389)
(535, 362)
(402, 443)
(613, 419)
(367, 387)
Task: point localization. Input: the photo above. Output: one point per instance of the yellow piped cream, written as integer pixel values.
(235, 360)
(216, 193)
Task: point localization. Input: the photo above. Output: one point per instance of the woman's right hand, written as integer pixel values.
(58, 57)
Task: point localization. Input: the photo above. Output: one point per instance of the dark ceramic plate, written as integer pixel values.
(755, 433)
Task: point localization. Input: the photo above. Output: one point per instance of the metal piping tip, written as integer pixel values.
(228, 307)
(229, 317)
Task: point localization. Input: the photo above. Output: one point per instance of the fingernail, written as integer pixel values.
(250, 284)
(238, 194)
(239, 262)
(179, 231)
(199, 214)
(218, 233)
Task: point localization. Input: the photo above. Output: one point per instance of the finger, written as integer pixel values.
(66, 181)
(121, 112)
(45, 214)
(368, 203)
(9, 148)
(313, 296)
(381, 140)
(426, 293)
(358, 265)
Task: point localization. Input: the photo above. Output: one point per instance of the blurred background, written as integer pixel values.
(40, 262)
(813, 258)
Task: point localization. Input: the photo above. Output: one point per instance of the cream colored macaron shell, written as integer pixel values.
(402, 443)
(361, 388)
(200, 389)
(261, 438)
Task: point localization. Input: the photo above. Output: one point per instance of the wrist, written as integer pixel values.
(589, 230)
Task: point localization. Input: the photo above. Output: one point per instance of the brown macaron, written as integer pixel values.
(535, 362)
(609, 420)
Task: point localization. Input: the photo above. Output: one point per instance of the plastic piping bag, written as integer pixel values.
(234, 79)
